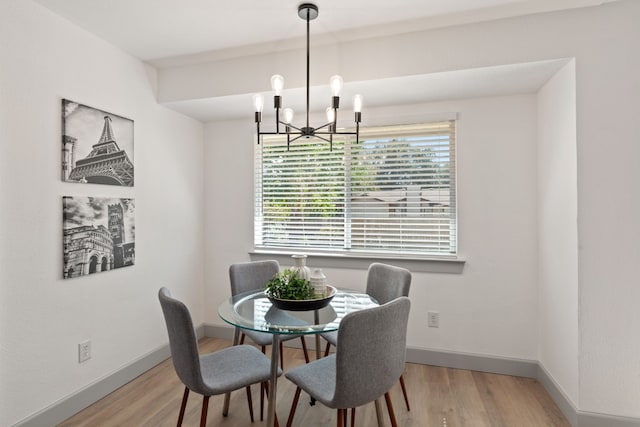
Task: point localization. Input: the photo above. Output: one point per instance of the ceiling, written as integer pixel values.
(157, 29)
(168, 33)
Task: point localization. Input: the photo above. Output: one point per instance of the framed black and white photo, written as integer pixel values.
(98, 234)
(97, 146)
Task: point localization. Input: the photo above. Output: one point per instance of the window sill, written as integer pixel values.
(361, 261)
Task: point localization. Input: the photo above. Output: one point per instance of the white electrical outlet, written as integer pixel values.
(84, 351)
(433, 319)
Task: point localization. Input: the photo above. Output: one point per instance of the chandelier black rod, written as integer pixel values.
(308, 62)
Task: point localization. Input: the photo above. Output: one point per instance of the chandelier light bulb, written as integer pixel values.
(277, 84)
(331, 116)
(258, 102)
(357, 103)
(336, 85)
(288, 115)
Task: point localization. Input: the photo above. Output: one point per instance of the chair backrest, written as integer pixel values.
(387, 282)
(251, 276)
(182, 341)
(371, 354)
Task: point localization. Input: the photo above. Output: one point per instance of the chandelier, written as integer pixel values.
(308, 12)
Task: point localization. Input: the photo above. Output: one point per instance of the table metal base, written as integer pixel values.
(273, 383)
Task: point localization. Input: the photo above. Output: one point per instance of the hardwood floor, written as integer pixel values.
(439, 397)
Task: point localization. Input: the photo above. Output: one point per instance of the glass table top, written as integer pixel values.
(254, 311)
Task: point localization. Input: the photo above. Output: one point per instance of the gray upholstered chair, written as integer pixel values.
(384, 283)
(211, 374)
(364, 366)
(253, 276)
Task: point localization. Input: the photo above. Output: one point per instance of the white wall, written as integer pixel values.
(44, 58)
(558, 231)
(489, 309)
(603, 41)
(608, 131)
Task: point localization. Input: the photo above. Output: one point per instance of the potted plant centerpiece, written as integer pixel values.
(288, 291)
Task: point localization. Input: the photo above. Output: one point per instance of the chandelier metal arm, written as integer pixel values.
(301, 133)
(326, 125)
(288, 126)
(335, 133)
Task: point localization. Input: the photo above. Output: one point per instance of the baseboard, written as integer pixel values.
(70, 405)
(76, 402)
(592, 419)
(580, 418)
(566, 405)
(482, 363)
(215, 331)
(473, 362)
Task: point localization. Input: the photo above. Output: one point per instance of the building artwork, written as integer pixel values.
(87, 250)
(98, 235)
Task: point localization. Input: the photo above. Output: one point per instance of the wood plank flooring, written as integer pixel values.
(439, 397)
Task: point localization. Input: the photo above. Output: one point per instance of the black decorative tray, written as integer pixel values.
(305, 304)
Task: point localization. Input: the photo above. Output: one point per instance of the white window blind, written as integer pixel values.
(393, 193)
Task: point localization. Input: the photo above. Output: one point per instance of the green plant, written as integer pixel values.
(287, 285)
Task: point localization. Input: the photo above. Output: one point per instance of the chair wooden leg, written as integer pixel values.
(304, 349)
(205, 408)
(353, 417)
(261, 401)
(292, 411)
(250, 402)
(241, 339)
(340, 418)
(392, 414)
(185, 396)
(404, 392)
(326, 349)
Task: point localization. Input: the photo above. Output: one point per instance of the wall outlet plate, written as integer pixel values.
(433, 319)
(84, 351)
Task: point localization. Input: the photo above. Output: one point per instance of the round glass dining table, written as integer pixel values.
(253, 311)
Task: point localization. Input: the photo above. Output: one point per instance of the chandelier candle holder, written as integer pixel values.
(308, 12)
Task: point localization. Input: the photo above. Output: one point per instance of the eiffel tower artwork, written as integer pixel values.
(109, 160)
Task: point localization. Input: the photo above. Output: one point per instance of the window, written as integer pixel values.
(393, 193)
